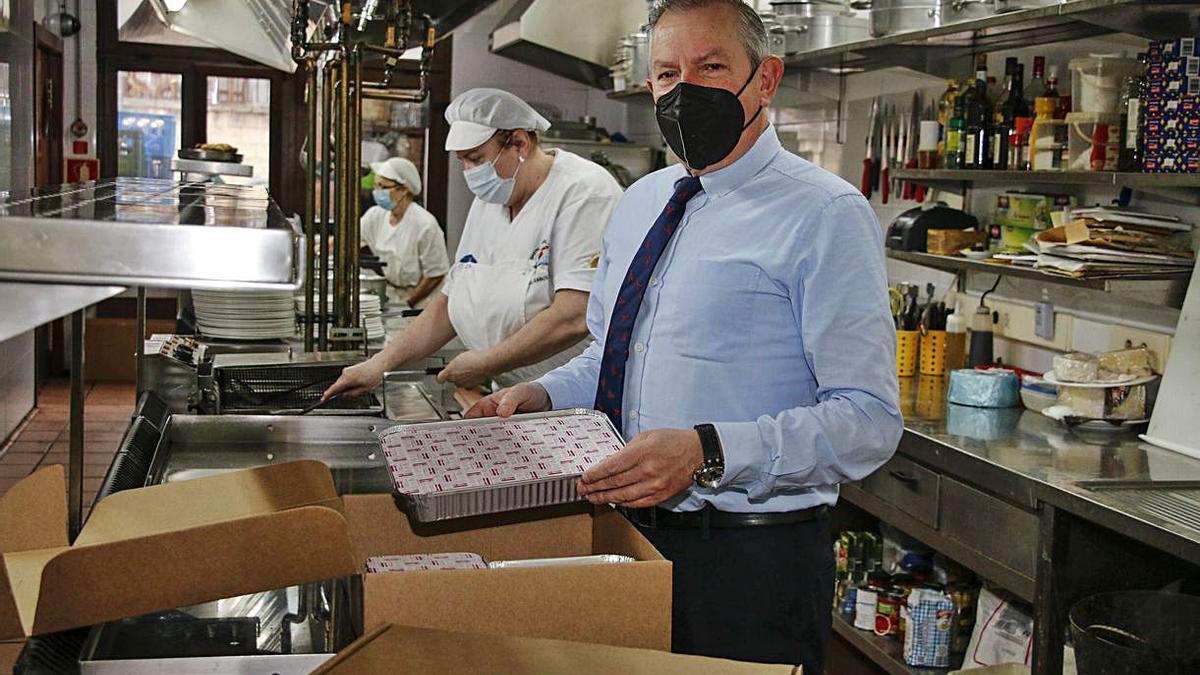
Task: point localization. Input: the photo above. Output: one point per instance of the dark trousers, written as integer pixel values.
(752, 594)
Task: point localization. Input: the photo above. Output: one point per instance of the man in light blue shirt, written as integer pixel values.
(757, 348)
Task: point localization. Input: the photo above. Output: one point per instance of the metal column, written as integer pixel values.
(75, 454)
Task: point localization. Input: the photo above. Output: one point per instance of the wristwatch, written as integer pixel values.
(710, 473)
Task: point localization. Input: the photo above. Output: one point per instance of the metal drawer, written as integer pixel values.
(998, 530)
(908, 486)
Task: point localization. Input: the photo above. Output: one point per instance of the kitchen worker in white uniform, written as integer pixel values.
(403, 234)
(517, 293)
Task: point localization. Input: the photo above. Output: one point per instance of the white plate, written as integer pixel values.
(975, 255)
(1050, 377)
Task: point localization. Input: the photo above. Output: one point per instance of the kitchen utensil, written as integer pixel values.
(209, 155)
(869, 161)
(307, 409)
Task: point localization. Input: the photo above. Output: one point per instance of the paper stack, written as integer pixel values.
(1105, 243)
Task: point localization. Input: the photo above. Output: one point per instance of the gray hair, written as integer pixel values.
(751, 32)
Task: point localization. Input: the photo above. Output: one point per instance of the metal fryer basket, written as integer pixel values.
(264, 383)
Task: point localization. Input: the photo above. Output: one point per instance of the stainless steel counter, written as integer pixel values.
(1108, 477)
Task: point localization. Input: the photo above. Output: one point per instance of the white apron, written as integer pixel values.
(488, 303)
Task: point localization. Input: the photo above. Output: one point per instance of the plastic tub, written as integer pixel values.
(1096, 82)
(1094, 141)
(1136, 632)
(1037, 394)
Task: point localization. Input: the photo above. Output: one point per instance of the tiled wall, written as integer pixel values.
(16, 381)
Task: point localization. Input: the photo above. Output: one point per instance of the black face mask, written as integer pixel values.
(702, 124)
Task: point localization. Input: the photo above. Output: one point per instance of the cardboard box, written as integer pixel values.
(165, 546)
(624, 604)
(389, 649)
(1029, 211)
(110, 349)
(950, 242)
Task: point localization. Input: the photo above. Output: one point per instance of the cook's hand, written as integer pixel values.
(467, 370)
(654, 467)
(357, 379)
(524, 397)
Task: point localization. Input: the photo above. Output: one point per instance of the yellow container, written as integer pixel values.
(907, 343)
(933, 352)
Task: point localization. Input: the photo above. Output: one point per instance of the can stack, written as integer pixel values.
(1172, 125)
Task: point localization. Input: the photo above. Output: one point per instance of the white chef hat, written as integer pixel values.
(477, 114)
(372, 152)
(400, 170)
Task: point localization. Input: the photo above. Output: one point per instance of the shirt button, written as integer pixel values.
(639, 347)
(653, 281)
(633, 414)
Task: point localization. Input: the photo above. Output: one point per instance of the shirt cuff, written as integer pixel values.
(560, 390)
(745, 457)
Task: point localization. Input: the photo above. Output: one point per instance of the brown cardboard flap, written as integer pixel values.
(612, 533)
(33, 513)
(391, 648)
(571, 602)
(106, 581)
(377, 527)
(213, 499)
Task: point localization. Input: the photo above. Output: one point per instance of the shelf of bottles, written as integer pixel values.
(1121, 117)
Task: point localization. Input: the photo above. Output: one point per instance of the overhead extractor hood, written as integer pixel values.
(572, 38)
(259, 30)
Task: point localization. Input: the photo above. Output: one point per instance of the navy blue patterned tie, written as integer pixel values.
(611, 386)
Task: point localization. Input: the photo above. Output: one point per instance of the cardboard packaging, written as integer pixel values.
(624, 604)
(110, 348)
(165, 546)
(389, 649)
(950, 242)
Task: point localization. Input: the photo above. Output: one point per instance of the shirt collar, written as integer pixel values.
(746, 167)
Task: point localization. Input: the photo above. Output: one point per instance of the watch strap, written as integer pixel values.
(710, 443)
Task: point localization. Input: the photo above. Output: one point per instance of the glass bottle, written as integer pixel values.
(977, 115)
(1008, 112)
(1132, 130)
(1037, 85)
(944, 112)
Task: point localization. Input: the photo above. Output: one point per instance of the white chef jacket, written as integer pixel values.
(413, 248)
(509, 270)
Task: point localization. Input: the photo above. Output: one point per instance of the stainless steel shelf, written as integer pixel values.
(147, 232)
(887, 653)
(962, 178)
(929, 50)
(954, 264)
(633, 94)
(24, 307)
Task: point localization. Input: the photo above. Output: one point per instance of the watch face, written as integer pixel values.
(709, 476)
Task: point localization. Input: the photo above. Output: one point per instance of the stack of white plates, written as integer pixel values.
(369, 308)
(244, 316)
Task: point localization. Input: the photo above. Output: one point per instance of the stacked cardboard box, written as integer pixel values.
(1172, 120)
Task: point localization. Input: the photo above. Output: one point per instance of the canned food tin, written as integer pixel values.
(887, 614)
(865, 605)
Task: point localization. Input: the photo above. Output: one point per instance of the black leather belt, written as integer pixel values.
(710, 517)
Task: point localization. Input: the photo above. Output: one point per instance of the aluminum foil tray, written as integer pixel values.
(604, 559)
(420, 562)
(460, 468)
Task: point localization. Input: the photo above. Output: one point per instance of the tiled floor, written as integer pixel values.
(44, 439)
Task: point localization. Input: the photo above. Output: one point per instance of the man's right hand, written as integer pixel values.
(357, 379)
(524, 397)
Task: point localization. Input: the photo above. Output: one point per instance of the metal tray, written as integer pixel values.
(420, 562)
(459, 468)
(603, 559)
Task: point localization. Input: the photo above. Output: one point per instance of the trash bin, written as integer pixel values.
(1137, 632)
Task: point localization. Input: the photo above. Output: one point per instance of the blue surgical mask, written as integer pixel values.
(488, 185)
(383, 199)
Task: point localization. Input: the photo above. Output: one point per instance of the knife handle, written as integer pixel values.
(866, 178)
(885, 184)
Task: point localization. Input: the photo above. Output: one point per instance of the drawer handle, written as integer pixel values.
(904, 477)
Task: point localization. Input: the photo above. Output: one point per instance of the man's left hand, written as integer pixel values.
(654, 467)
(467, 370)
